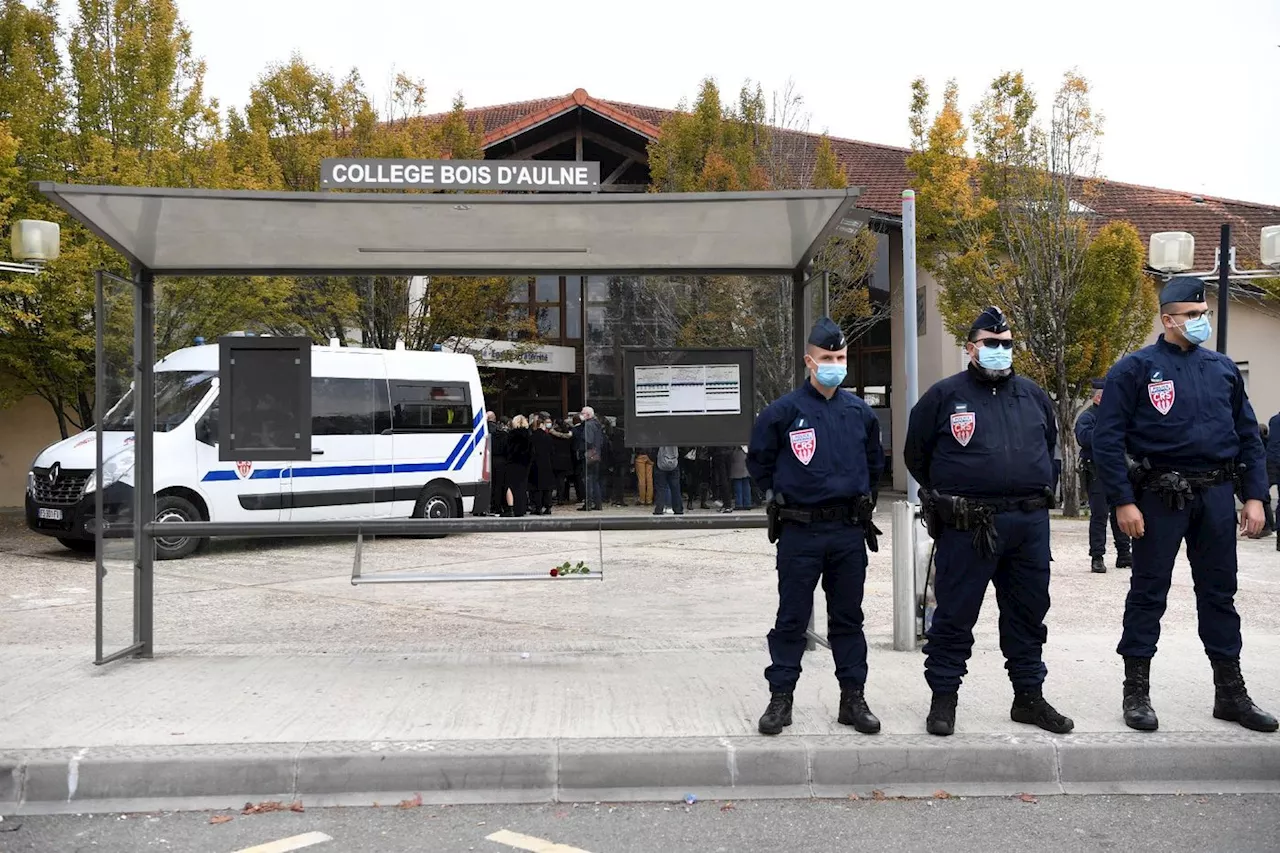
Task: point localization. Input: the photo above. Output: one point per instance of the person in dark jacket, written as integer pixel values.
(498, 457)
(542, 482)
(519, 459)
(1271, 441)
(562, 459)
(1099, 512)
(619, 463)
(722, 488)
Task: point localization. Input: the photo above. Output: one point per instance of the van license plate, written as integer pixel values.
(50, 514)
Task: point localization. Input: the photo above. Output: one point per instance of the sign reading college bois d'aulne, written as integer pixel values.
(515, 175)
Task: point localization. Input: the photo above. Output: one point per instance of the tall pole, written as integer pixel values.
(910, 334)
(1224, 285)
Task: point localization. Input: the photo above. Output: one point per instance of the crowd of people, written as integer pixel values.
(539, 462)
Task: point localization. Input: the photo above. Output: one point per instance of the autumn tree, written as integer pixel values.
(711, 146)
(1010, 224)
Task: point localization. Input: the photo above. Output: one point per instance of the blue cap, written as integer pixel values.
(827, 335)
(990, 320)
(1098, 384)
(1182, 288)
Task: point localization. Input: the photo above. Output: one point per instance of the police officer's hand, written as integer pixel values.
(1251, 519)
(1129, 517)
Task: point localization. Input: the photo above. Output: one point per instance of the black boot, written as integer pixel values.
(1138, 713)
(854, 711)
(778, 715)
(942, 714)
(1098, 566)
(1030, 707)
(1124, 561)
(1231, 701)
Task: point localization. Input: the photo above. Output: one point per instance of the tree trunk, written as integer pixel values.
(1066, 440)
(61, 414)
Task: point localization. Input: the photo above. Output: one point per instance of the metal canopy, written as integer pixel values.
(241, 232)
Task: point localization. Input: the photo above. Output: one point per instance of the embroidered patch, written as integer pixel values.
(963, 425)
(1161, 394)
(244, 469)
(804, 443)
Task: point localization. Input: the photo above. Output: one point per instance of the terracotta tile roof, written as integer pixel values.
(881, 171)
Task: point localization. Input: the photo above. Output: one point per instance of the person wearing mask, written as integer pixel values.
(816, 451)
(1174, 424)
(542, 477)
(519, 460)
(980, 444)
(1099, 512)
(593, 454)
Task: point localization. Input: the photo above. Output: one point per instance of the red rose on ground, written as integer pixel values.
(555, 573)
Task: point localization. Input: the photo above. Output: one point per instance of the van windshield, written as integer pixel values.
(178, 392)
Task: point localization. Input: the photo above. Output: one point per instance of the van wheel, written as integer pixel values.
(80, 546)
(436, 502)
(173, 508)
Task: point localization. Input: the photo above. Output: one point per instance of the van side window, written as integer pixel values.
(430, 407)
(349, 406)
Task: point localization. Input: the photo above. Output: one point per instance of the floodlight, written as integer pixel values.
(1172, 251)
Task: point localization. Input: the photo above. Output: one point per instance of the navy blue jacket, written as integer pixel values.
(1182, 410)
(1273, 442)
(814, 451)
(980, 439)
(1084, 431)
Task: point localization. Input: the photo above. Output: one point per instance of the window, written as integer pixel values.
(519, 290)
(547, 288)
(549, 321)
(430, 407)
(349, 407)
(178, 392)
(573, 307)
(597, 288)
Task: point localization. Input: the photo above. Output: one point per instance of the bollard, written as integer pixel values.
(904, 577)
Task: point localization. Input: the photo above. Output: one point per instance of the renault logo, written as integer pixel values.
(54, 473)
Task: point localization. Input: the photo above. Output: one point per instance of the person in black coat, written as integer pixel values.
(542, 483)
(562, 460)
(519, 459)
(498, 457)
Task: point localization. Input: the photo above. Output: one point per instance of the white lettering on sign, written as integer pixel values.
(460, 174)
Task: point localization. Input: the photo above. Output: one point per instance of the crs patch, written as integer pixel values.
(1162, 395)
(244, 469)
(804, 443)
(963, 426)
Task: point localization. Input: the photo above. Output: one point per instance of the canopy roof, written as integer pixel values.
(240, 232)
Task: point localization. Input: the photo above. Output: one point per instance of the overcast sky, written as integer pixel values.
(1190, 90)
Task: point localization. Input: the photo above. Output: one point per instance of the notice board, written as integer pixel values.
(688, 397)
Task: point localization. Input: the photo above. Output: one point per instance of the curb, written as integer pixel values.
(147, 778)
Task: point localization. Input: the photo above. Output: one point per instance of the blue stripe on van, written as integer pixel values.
(459, 457)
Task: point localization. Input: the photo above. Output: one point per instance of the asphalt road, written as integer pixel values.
(1241, 824)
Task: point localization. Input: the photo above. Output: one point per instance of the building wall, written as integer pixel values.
(25, 430)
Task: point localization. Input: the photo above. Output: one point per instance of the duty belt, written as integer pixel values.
(976, 515)
(1175, 488)
(857, 511)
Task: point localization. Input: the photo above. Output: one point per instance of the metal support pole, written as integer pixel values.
(799, 334)
(910, 332)
(99, 408)
(1224, 285)
(904, 577)
(144, 474)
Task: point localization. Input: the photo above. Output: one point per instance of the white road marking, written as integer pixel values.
(528, 842)
(284, 845)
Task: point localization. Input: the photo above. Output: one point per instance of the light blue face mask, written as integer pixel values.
(1198, 330)
(997, 358)
(831, 375)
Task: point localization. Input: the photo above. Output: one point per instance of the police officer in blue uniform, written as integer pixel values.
(1099, 511)
(980, 444)
(1272, 441)
(817, 456)
(1176, 438)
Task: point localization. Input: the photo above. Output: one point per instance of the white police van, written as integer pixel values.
(395, 434)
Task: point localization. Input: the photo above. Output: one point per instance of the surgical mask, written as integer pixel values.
(831, 375)
(997, 358)
(1197, 330)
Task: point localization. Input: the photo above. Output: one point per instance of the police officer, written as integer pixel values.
(1098, 509)
(816, 454)
(1180, 413)
(980, 444)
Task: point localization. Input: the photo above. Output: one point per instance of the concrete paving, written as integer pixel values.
(267, 643)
